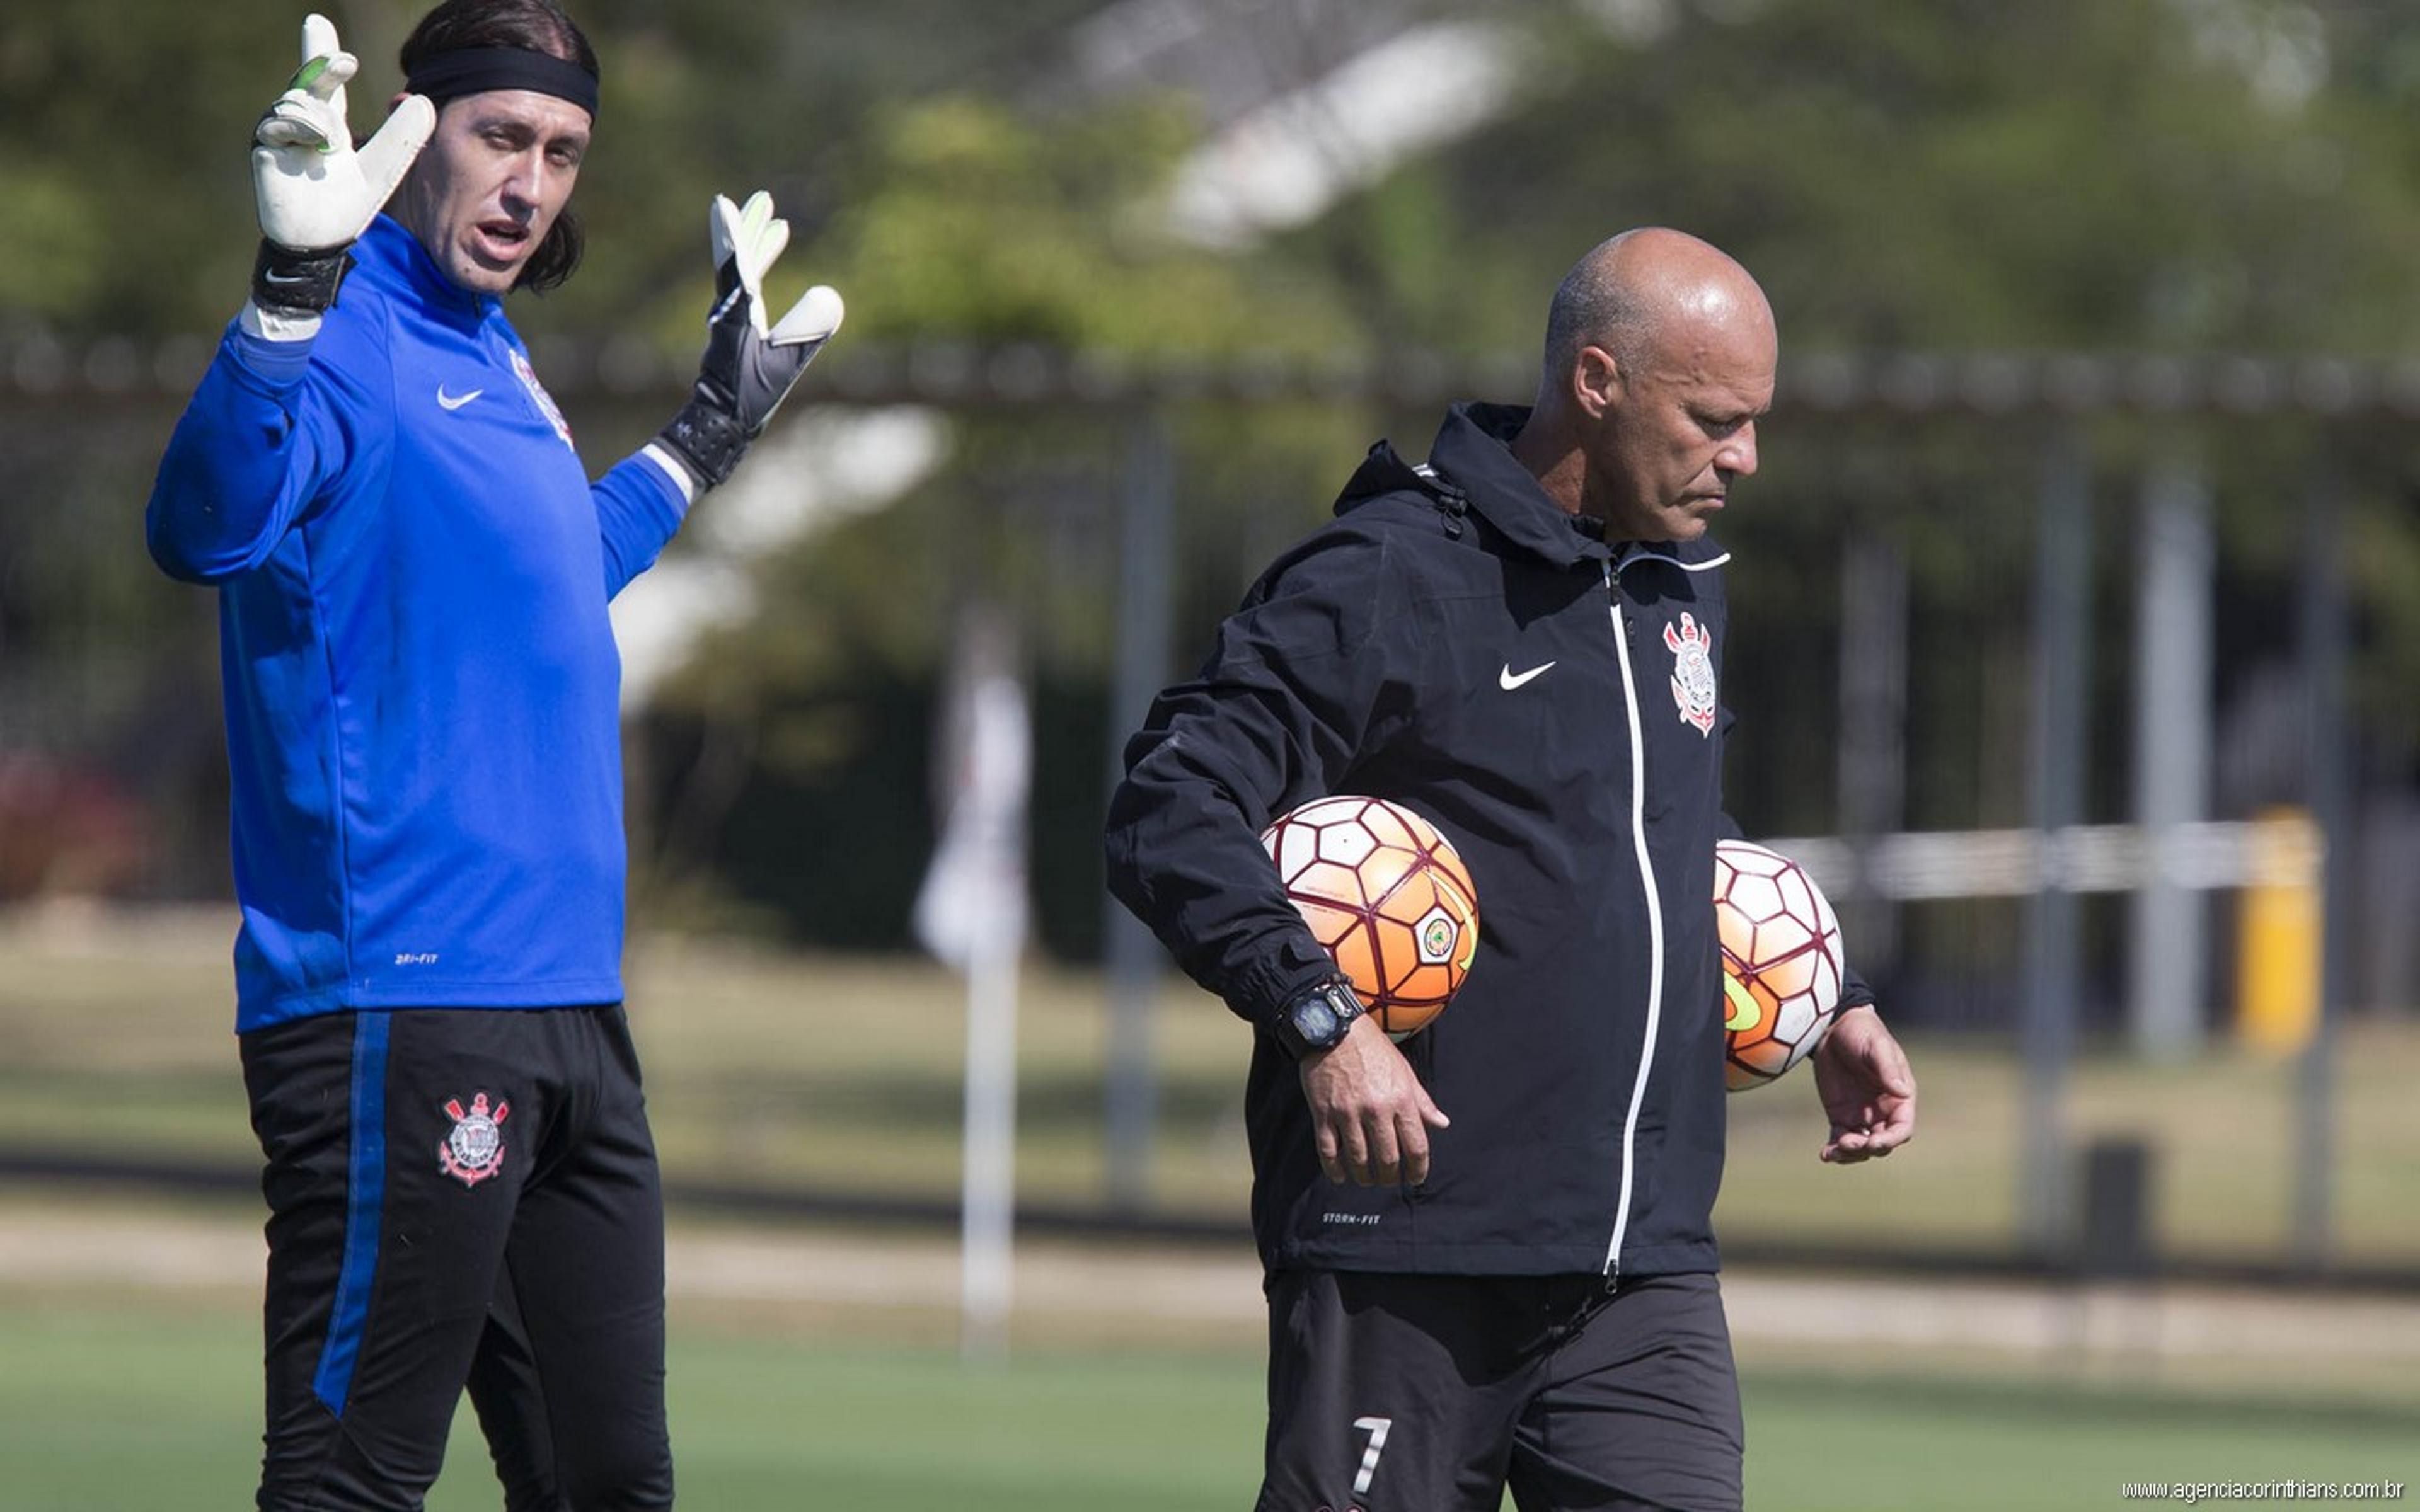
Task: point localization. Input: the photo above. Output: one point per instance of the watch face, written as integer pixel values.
(1315, 1021)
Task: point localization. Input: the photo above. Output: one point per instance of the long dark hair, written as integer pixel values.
(536, 26)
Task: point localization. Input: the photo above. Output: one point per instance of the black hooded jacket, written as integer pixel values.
(1456, 642)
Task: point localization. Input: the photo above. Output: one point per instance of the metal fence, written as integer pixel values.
(2017, 634)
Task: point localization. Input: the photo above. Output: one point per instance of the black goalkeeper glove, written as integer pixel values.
(748, 369)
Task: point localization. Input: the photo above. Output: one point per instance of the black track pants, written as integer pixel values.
(459, 1199)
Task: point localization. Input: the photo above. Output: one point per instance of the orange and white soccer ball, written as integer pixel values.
(1388, 897)
(1782, 964)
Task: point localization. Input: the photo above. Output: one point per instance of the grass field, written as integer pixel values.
(842, 1074)
(150, 1406)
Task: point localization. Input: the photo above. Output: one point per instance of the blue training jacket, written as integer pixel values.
(421, 686)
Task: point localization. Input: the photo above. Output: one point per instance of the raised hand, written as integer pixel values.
(314, 190)
(750, 365)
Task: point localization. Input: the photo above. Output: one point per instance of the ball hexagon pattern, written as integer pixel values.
(1385, 892)
(1782, 962)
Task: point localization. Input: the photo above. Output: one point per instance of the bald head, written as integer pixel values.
(1660, 359)
(1635, 290)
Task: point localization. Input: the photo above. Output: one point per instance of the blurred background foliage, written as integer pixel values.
(2193, 177)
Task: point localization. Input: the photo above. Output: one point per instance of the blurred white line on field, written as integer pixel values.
(87, 1247)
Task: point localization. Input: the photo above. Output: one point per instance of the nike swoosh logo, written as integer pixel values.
(1508, 679)
(455, 401)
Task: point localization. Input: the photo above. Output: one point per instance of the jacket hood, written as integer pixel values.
(1471, 470)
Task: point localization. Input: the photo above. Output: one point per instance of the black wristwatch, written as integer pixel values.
(1319, 1020)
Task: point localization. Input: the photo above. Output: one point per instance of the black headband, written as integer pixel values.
(472, 70)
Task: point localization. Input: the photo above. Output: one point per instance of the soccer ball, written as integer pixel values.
(1388, 897)
(1782, 962)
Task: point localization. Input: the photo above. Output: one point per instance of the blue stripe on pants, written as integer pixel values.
(365, 1195)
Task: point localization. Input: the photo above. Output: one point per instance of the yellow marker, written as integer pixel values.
(2277, 963)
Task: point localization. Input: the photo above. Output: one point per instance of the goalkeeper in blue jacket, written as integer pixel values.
(422, 689)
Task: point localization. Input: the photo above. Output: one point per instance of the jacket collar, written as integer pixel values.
(394, 258)
(1473, 454)
(1471, 468)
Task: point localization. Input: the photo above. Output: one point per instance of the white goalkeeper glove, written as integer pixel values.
(749, 367)
(316, 193)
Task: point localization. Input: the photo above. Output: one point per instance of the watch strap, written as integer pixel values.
(1320, 1019)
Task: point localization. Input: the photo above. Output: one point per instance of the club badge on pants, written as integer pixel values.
(476, 1149)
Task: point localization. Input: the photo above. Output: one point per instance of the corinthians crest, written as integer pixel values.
(1693, 672)
(476, 1149)
(546, 404)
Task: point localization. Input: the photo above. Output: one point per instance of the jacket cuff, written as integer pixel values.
(274, 354)
(1264, 992)
(676, 471)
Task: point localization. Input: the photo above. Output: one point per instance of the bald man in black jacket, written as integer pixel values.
(1520, 638)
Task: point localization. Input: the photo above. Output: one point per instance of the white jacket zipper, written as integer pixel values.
(1654, 928)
